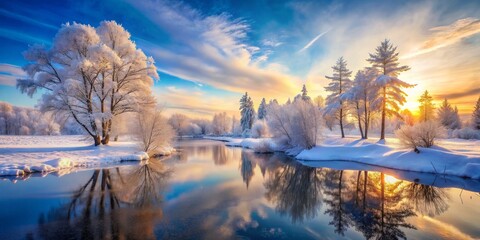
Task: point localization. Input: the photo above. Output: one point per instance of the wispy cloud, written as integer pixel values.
(447, 35)
(9, 74)
(309, 44)
(26, 19)
(211, 50)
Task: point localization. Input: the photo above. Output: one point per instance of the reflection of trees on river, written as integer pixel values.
(295, 189)
(247, 165)
(335, 191)
(363, 200)
(111, 204)
(427, 200)
(219, 154)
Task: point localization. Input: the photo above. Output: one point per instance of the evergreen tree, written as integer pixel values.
(391, 95)
(476, 115)
(426, 107)
(305, 96)
(340, 83)
(262, 109)
(247, 112)
(448, 116)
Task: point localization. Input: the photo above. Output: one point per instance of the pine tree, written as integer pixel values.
(392, 97)
(448, 116)
(305, 96)
(247, 112)
(476, 115)
(262, 109)
(426, 107)
(362, 97)
(340, 83)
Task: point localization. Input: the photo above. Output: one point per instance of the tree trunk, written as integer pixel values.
(341, 122)
(367, 118)
(96, 140)
(382, 134)
(360, 122)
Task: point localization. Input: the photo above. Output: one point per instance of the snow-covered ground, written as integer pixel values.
(454, 157)
(20, 155)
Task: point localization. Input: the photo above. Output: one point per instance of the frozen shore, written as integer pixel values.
(20, 155)
(454, 157)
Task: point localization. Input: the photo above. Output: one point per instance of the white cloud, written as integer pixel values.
(212, 50)
(9, 74)
(313, 41)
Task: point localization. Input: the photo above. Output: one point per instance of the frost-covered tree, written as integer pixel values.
(179, 122)
(247, 112)
(448, 116)
(340, 83)
(362, 97)
(221, 124)
(153, 130)
(26, 121)
(476, 115)
(426, 107)
(391, 95)
(262, 109)
(90, 75)
(319, 101)
(298, 123)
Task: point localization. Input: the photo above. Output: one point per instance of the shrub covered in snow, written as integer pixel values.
(259, 129)
(465, 133)
(299, 122)
(153, 131)
(421, 134)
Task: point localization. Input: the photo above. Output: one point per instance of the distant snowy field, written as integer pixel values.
(456, 157)
(21, 155)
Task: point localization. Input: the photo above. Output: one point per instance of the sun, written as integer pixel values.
(390, 179)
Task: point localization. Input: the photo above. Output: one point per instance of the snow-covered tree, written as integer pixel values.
(153, 130)
(90, 75)
(340, 83)
(26, 121)
(247, 112)
(448, 116)
(319, 101)
(262, 109)
(221, 124)
(362, 97)
(391, 95)
(422, 134)
(298, 123)
(426, 107)
(476, 115)
(179, 122)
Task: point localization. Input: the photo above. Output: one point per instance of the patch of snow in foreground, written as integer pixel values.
(20, 155)
(461, 159)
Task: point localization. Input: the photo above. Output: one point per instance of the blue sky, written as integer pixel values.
(209, 52)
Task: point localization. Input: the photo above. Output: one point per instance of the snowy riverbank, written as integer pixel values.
(450, 157)
(20, 155)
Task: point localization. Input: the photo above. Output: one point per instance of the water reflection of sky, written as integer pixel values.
(213, 192)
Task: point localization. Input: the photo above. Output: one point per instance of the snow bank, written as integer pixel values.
(462, 159)
(21, 155)
(258, 145)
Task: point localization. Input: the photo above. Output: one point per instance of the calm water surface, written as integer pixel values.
(210, 191)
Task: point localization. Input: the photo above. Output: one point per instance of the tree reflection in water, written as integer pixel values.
(247, 165)
(112, 204)
(427, 200)
(295, 189)
(364, 200)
